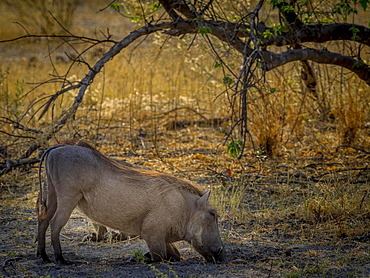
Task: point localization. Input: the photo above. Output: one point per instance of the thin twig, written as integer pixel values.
(184, 107)
(352, 147)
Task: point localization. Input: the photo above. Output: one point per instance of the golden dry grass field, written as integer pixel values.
(297, 204)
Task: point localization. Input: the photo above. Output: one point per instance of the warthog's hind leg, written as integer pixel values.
(43, 224)
(64, 210)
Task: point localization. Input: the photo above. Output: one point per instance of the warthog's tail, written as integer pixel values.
(41, 207)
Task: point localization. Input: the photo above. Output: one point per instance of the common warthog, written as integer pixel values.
(160, 208)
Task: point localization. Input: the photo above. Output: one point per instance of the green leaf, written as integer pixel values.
(359, 64)
(217, 65)
(155, 6)
(287, 8)
(203, 30)
(275, 3)
(135, 18)
(364, 4)
(344, 7)
(355, 31)
(326, 20)
(234, 148)
(235, 17)
(278, 29)
(227, 80)
(267, 34)
(115, 6)
(271, 90)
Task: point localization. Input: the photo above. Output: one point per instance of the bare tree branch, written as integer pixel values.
(294, 22)
(170, 9)
(56, 95)
(9, 165)
(272, 60)
(82, 38)
(19, 126)
(318, 33)
(321, 33)
(319, 56)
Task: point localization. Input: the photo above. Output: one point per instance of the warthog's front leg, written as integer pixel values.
(161, 250)
(157, 247)
(172, 252)
(158, 251)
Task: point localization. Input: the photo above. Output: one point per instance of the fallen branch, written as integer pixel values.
(9, 260)
(318, 177)
(297, 173)
(205, 122)
(9, 165)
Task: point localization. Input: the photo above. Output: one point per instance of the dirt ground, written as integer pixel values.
(278, 252)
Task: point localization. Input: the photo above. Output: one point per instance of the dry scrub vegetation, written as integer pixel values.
(304, 176)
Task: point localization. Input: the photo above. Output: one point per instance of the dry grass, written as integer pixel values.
(129, 105)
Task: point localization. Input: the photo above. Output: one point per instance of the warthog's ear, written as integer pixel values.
(202, 202)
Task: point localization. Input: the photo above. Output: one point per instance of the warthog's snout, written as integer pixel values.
(219, 256)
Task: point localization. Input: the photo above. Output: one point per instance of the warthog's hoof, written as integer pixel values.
(65, 262)
(43, 256)
(92, 237)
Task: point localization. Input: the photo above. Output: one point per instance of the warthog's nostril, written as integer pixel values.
(218, 256)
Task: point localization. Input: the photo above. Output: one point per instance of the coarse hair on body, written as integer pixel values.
(123, 167)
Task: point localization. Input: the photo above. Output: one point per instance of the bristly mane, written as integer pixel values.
(128, 168)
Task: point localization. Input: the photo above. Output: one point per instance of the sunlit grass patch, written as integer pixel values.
(343, 204)
(229, 202)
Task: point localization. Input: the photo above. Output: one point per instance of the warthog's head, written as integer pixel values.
(203, 232)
